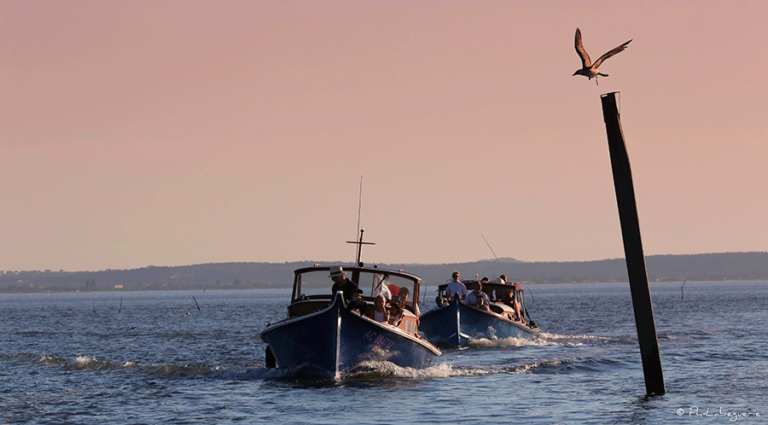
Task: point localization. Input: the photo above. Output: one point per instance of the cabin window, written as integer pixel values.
(315, 283)
(373, 284)
(318, 282)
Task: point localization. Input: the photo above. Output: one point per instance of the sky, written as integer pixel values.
(136, 133)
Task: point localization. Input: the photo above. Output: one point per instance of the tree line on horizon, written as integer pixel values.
(665, 268)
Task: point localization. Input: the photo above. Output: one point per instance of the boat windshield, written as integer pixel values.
(372, 282)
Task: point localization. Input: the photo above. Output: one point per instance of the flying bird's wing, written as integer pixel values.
(611, 53)
(585, 60)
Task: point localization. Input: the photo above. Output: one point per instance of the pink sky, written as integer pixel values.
(169, 133)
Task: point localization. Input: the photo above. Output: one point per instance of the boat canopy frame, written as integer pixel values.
(491, 288)
(354, 274)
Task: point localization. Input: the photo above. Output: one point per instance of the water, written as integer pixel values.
(81, 358)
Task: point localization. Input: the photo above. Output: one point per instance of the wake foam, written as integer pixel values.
(371, 370)
(85, 362)
(362, 372)
(386, 370)
(539, 339)
(509, 342)
(549, 336)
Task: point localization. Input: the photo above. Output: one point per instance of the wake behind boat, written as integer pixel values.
(327, 332)
(456, 323)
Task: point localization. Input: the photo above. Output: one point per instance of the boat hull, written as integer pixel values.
(332, 340)
(457, 324)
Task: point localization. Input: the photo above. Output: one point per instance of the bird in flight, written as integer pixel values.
(589, 69)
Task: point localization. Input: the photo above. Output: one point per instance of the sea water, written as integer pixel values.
(153, 357)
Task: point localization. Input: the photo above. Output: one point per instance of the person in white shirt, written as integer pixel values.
(380, 312)
(479, 299)
(381, 286)
(455, 286)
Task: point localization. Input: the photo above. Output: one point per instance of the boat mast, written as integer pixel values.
(360, 244)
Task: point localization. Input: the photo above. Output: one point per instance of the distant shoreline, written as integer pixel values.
(428, 284)
(718, 267)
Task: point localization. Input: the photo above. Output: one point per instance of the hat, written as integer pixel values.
(336, 270)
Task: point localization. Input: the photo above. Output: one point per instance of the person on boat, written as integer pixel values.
(455, 287)
(516, 303)
(381, 286)
(396, 313)
(490, 293)
(341, 283)
(403, 296)
(380, 312)
(503, 295)
(483, 305)
(440, 303)
(510, 299)
(357, 303)
(479, 299)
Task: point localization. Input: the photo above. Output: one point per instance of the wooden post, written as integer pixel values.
(633, 249)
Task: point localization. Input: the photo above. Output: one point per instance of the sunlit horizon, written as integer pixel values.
(176, 133)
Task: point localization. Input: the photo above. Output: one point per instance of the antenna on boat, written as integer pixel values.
(359, 208)
(360, 231)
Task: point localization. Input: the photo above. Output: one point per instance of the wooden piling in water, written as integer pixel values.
(633, 248)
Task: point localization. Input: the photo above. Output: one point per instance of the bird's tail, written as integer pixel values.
(601, 74)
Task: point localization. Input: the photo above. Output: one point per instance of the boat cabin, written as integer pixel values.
(312, 291)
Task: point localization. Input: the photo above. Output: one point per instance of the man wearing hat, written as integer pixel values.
(341, 283)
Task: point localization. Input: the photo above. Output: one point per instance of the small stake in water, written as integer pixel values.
(198, 306)
(682, 294)
(121, 306)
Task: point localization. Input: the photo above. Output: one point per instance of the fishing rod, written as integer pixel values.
(494, 255)
(533, 300)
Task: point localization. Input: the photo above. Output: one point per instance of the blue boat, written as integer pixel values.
(456, 324)
(324, 334)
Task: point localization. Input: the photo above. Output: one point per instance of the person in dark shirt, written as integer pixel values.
(357, 303)
(341, 283)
